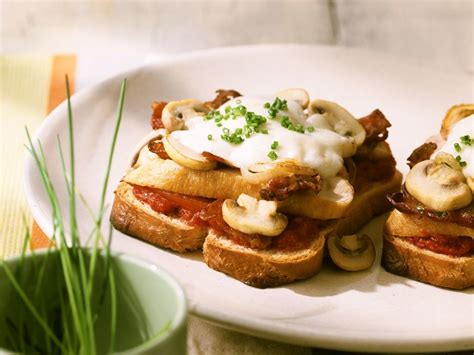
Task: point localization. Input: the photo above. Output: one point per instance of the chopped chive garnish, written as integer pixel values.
(274, 145)
(458, 158)
(462, 163)
(310, 129)
(457, 147)
(467, 140)
(272, 155)
(277, 106)
(209, 137)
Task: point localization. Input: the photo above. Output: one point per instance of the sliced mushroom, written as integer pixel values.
(186, 157)
(470, 182)
(351, 252)
(252, 216)
(262, 172)
(438, 186)
(340, 120)
(448, 159)
(175, 113)
(455, 114)
(301, 96)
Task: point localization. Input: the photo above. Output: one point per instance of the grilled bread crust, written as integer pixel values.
(402, 258)
(269, 269)
(137, 219)
(254, 267)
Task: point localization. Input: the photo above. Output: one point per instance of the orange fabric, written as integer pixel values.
(61, 65)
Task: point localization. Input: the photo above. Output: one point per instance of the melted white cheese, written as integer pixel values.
(323, 149)
(462, 128)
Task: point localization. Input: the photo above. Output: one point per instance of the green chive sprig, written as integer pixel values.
(67, 326)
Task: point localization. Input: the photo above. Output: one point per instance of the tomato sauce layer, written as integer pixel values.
(452, 246)
(173, 204)
(298, 235)
(199, 211)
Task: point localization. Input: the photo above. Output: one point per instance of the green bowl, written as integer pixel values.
(151, 305)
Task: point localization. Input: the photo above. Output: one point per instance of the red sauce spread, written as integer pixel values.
(173, 204)
(213, 216)
(199, 211)
(299, 233)
(453, 246)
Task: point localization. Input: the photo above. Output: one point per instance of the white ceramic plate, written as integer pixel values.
(365, 311)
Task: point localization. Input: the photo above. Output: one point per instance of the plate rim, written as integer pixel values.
(244, 324)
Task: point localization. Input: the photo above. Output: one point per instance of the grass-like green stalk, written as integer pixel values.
(79, 297)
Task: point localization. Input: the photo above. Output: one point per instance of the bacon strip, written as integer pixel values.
(222, 97)
(157, 107)
(279, 188)
(158, 148)
(422, 153)
(216, 158)
(376, 126)
(406, 203)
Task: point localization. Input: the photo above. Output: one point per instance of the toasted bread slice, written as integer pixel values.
(415, 225)
(402, 258)
(137, 219)
(268, 269)
(370, 202)
(263, 268)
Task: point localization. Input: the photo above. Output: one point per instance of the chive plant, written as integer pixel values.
(67, 323)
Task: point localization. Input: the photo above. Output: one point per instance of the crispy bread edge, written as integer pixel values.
(262, 269)
(368, 204)
(137, 219)
(402, 258)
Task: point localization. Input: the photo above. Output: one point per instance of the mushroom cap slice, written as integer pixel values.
(252, 216)
(298, 95)
(455, 114)
(351, 252)
(339, 119)
(175, 113)
(262, 172)
(438, 186)
(184, 156)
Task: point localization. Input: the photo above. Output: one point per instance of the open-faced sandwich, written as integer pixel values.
(430, 235)
(259, 182)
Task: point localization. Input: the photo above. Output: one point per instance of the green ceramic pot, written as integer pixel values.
(147, 298)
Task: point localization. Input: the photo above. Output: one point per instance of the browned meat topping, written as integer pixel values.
(421, 153)
(406, 203)
(222, 97)
(158, 148)
(157, 107)
(216, 158)
(279, 188)
(375, 125)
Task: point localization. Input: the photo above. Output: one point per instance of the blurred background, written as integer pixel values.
(436, 32)
(102, 37)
